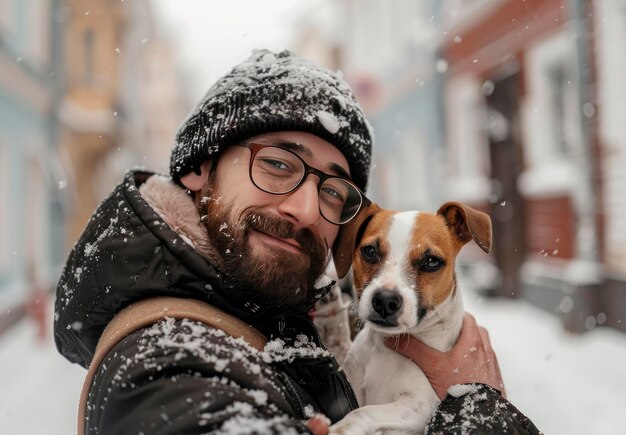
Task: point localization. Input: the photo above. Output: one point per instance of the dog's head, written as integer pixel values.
(403, 262)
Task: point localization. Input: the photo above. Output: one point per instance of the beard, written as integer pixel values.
(270, 278)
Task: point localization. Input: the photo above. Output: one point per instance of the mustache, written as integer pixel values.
(283, 229)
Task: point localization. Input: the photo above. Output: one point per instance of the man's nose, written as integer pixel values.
(302, 205)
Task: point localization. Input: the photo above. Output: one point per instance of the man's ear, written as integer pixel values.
(196, 179)
(348, 238)
(467, 223)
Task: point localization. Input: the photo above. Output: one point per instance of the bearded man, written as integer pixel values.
(265, 172)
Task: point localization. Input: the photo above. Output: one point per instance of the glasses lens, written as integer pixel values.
(339, 200)
(276, 170)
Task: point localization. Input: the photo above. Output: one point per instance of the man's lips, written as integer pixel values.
(287, 244)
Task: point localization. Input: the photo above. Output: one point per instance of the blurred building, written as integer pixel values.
(532, 102)
(609, 110)
(87, 90)
(389, 57)
(31, 202)
(514, 107)
(123, 102)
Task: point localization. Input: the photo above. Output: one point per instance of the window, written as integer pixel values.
(467, 149)
(88, 56)
(5, 217)
(38, 36)
(564, 107)
(6, 17)
(551, 117)
(36, 219)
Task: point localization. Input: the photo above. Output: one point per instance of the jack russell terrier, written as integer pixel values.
(403, 270)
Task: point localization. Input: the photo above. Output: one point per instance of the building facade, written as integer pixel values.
(32, 202)
(87, 90)
(609, 20)
(531, 101)
(123, 102)
(390, 57)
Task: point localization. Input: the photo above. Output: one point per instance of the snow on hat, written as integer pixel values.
(275, 92)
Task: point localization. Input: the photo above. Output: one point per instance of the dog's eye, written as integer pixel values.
(369, 253)
(432, 264)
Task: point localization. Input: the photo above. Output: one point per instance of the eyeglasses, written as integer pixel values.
(278, 171)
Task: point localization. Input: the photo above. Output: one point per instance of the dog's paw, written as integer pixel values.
(332, 303)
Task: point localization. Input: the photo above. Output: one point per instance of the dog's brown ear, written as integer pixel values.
(348, 237)
(467, 223)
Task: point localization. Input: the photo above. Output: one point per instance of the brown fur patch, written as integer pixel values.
(432, 237)
(376, 232)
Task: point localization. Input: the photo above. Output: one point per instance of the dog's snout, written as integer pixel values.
(386, 303)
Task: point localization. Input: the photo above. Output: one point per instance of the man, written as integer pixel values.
(264, 173)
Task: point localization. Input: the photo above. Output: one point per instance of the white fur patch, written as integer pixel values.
(393, 274)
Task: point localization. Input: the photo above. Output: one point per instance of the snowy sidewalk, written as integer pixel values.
(567, 384)
(39, 389)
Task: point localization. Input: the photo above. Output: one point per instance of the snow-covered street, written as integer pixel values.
(567, 384)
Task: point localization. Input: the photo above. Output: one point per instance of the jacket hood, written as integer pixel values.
(127, 253)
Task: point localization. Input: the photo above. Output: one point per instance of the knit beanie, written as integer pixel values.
(272, 92)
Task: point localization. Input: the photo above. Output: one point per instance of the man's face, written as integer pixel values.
(274, 246)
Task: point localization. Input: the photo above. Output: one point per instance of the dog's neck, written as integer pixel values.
(440, 327)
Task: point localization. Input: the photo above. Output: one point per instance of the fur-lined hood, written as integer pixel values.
(178, 210)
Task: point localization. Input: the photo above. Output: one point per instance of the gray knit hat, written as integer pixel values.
(275, 92)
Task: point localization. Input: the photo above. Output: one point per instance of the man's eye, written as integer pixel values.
(369, 253)
(277, 164)
(332, 194)
(432, 264)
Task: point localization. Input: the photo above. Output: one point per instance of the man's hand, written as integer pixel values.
(472, 359)
(318, 424)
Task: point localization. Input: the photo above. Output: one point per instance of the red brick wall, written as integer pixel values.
(550, 227)
(507, 30)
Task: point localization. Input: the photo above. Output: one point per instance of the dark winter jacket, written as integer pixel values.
(184, 377)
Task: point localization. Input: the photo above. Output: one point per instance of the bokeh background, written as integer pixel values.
(516, 107)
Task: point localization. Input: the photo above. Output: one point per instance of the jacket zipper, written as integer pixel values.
(294, 392)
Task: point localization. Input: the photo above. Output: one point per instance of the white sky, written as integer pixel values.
(213, 36)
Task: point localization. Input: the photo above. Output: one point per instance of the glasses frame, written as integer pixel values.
(322, 176)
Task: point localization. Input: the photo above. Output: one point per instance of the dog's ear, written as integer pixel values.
(348, 238)
(467, 223)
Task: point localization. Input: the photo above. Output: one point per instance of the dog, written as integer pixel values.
(403, 272)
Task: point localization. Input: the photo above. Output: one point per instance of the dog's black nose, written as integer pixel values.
(386, 303)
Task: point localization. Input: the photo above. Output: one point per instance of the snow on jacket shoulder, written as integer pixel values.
(186, 377)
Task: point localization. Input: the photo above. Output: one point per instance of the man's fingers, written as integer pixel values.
(413, 349)
(493, 359)
(484, 336)
(469, 339)
(318, 424)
